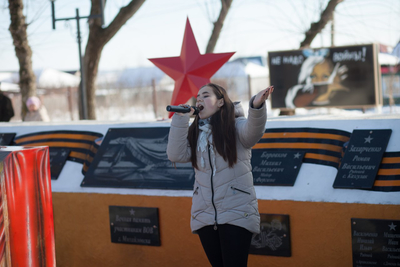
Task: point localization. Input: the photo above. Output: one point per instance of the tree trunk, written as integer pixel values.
(317, 27)
(18, 26)
(226, 4)
(91, 66)
(98, 38)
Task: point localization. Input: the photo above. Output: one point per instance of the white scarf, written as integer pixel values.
(205, 138)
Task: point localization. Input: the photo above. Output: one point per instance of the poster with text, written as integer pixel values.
(344, 77)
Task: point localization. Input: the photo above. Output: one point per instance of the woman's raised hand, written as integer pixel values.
(262, 96)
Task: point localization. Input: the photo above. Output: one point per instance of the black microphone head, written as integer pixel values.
(196, 110)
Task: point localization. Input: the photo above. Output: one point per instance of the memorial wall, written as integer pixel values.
(328, 189)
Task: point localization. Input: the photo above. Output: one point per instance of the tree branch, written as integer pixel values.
(317, 27)
(225, 5)
(124, 14)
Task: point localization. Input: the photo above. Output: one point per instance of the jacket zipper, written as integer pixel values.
(212, 188)
(237, 189)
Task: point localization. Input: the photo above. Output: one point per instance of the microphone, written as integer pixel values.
(182, 109)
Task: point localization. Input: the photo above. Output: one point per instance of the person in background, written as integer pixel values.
(6, 108)
(36, 111)
(218, 144)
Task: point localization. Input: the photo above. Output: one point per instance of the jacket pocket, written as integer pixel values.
(196, 191)
(237, 196)
(239, 190)
(198, 202)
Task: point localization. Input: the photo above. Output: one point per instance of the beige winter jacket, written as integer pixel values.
(228, 197)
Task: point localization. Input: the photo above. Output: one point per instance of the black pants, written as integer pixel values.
(228, 246)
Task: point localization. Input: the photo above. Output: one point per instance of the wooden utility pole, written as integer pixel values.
(333, 29)
(153, 85)
(83, 111)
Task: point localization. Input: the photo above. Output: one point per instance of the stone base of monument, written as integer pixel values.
(118, 200)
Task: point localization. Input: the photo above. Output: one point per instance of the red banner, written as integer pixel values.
(27, 208)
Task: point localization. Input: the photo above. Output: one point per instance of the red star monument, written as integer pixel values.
(190, 70)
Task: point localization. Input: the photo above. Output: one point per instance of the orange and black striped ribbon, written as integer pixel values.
(388, 177)
(325, 146)
(81, 144)
(321, 146)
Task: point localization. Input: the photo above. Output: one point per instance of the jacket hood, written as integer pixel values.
(239, 112)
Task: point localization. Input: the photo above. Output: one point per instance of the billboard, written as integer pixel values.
(345, 77)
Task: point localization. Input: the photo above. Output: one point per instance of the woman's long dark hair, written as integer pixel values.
(223, 129)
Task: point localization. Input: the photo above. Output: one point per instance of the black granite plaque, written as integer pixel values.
(274, 238)
(134, 225)
(6, 139)
(58, 156)
(375, 242)
(361, 160)
(276, 167)
(137, 158)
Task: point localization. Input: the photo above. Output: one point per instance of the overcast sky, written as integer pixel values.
(252, 28)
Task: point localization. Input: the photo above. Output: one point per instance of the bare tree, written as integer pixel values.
(98, 38)
(317, 27)
(212, 42)
(18, 30)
